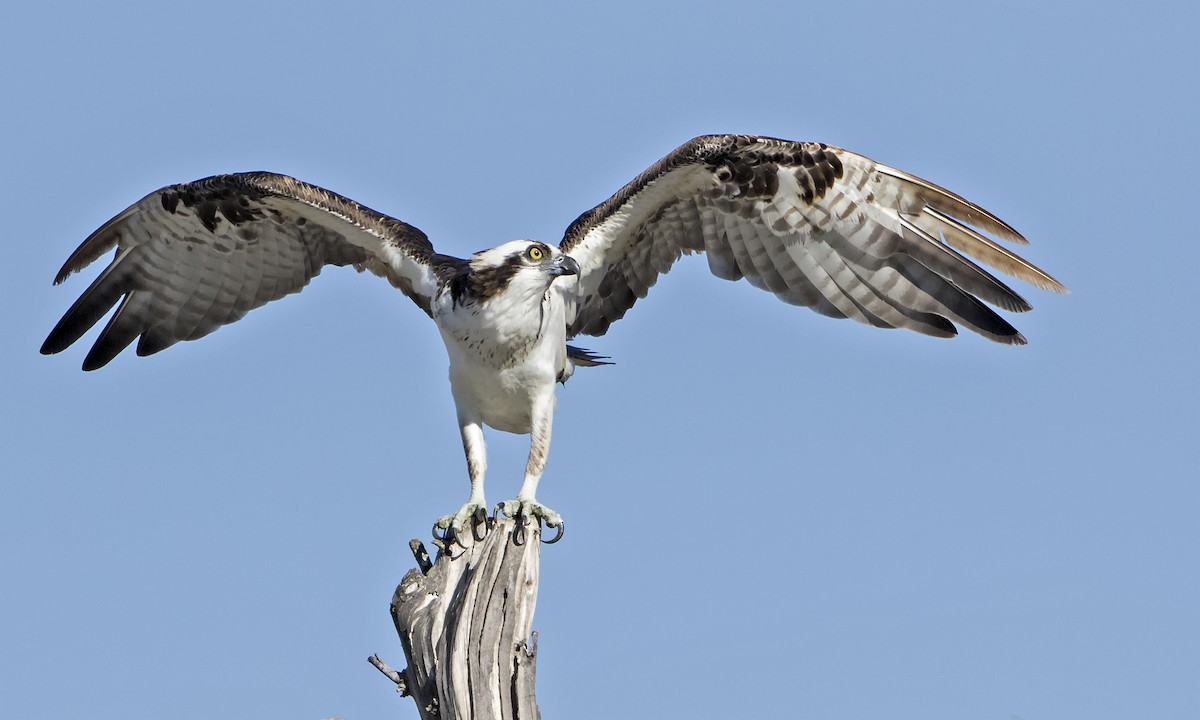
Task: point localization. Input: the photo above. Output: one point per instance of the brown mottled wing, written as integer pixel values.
(193, 257)
(815, 225)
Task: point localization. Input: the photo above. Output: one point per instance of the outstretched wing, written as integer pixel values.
(815, 225)
(193, 257)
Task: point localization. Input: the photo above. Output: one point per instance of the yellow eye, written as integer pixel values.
(535, 253)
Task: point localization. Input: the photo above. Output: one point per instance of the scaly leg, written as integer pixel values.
(526, 504)
(476, 450)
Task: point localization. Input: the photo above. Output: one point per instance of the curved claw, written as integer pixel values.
(561, 528)
(481, 521)
(523, 511)
(451, 526)
(449, 535)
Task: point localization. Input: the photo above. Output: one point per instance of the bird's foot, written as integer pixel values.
(522, 510)
(451, 526)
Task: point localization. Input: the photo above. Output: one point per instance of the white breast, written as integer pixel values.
(505, 355)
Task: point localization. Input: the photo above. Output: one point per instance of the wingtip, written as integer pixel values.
(1059, 288)
(56, 341)
(94, 361)
(1043, 281)
(68, 269)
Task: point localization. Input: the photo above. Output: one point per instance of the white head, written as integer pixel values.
(522, 267)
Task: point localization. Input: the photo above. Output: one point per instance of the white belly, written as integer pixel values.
(501, 365)
(504, 398)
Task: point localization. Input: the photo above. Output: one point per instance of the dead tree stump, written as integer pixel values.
(465, 625)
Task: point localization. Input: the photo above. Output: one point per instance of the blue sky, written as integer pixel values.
(770, 513)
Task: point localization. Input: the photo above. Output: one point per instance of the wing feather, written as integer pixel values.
(194, 257)
(984, 249)
(814, 225)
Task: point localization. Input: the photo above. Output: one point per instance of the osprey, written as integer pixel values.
(813, 224)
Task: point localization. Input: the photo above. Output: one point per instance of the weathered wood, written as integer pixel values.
(465, 626)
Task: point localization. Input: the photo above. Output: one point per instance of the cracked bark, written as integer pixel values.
(465, 625)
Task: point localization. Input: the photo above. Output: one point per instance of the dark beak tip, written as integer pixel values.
(570, 265)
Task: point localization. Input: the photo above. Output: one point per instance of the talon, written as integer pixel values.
(481, 521)
(561, 528)
(510, 508)
(449, 536)
(523, 511)
(458, 540)
(452, 525)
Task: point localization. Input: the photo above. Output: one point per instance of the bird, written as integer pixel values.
(813, 224)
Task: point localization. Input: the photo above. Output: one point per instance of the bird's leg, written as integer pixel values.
(526, 505)
(476, 450)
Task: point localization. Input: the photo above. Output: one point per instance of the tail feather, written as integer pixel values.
(586, 358)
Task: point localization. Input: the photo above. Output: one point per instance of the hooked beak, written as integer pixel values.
(564, 265)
